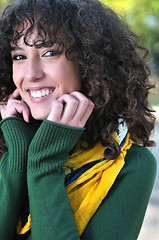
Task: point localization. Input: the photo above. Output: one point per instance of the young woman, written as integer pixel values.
(75, 123)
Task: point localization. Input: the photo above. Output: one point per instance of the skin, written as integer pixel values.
(37, 69)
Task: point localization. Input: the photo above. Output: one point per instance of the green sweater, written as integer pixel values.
(33, 166)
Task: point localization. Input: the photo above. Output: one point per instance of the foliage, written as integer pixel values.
(3, 3)
(143, 18)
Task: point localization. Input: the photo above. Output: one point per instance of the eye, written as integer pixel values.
(18, 57)
(51, 53)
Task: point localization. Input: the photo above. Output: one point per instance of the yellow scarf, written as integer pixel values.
(90, 188)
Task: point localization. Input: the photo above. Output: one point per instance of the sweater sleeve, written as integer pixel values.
(13, 187)
(121, 214)
(51, 213)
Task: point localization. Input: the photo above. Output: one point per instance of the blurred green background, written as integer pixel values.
(143, 18)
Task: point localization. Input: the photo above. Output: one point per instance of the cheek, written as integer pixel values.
(72, 77)
(16, 77)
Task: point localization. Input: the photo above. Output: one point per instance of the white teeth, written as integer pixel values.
(43, 93)
(38, 94)
(47, 92)
(34, 94)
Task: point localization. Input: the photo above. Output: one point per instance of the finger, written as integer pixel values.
(23, 109)
(87, 113)
(83, 104)
(26, 114)
(11, 103)
(3, 110)
(18, 107)
(15, 94)
(70, 107)
(56, 111)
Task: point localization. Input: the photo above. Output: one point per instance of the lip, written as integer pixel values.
(38, 88)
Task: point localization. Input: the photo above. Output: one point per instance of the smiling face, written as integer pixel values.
(42, 75)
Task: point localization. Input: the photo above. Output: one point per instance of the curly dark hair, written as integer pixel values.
(110, 57)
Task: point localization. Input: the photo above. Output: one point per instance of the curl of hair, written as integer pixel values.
(110, 57)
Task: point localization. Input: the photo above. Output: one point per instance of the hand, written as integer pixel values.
(71, 109)
(14, 107)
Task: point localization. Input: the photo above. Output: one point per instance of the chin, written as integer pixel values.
(39, 116)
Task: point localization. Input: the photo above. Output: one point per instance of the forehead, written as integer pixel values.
(33, 34)
(26, 30)
(30, 39)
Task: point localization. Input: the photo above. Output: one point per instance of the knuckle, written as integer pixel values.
(75, 92)
(64, 95)
(91, 104)
(86, 101)
(57, 103)
(10, 101)
(74, 101)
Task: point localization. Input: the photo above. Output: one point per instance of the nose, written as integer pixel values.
(33, 71)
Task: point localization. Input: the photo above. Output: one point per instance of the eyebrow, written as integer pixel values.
(16, 48)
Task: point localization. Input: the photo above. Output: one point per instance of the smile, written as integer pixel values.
(40, 93)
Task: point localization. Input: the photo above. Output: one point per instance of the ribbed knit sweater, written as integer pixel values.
(33, 167)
